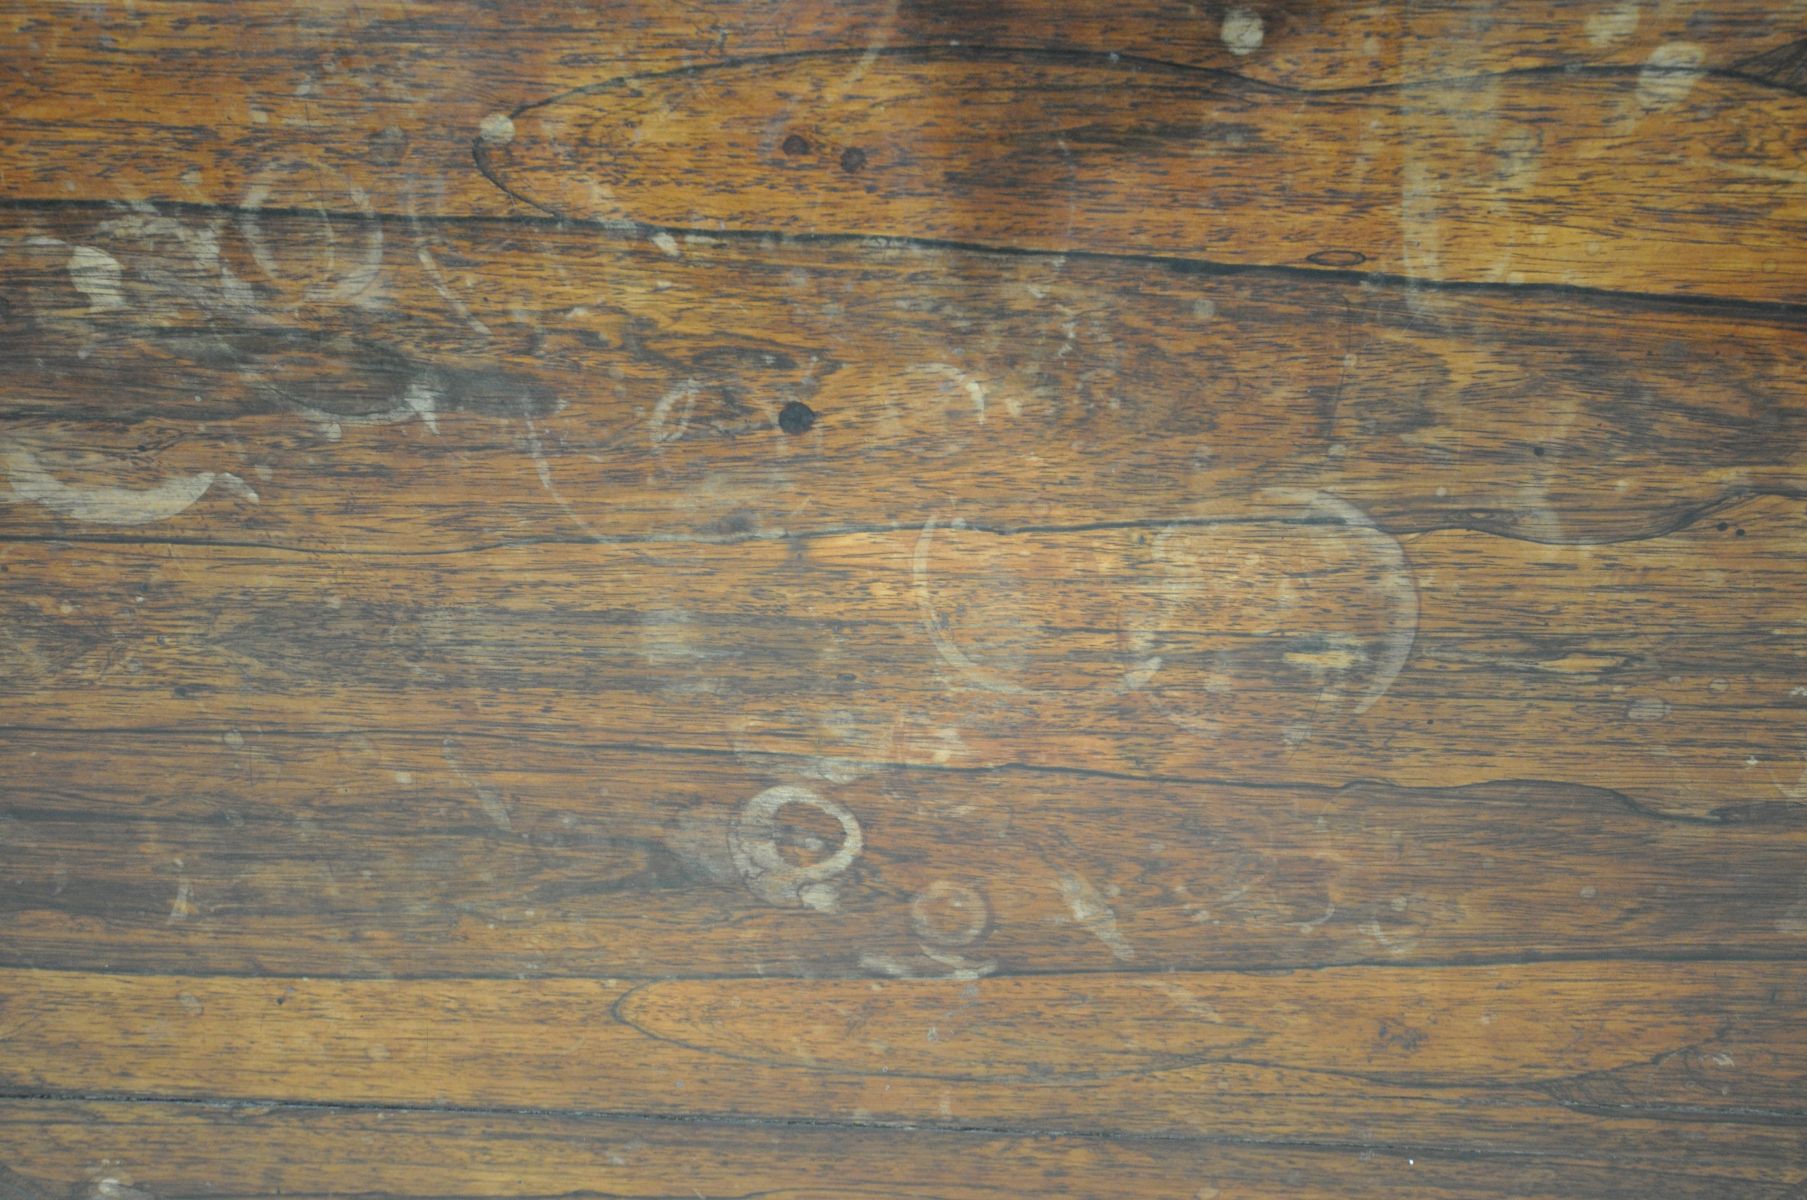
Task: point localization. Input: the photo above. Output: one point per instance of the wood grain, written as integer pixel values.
(1693, 117)
(435, 361)
(1057, 153)
(937, 600)
(1462, 1057)
(386, 855)
(1290, 643)
(85, 1151)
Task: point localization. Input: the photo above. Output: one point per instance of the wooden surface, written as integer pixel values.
(903, 600)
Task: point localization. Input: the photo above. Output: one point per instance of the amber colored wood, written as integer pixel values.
(1599, 1059)
(1149, 599)
(91, 1151)
(1687, 180)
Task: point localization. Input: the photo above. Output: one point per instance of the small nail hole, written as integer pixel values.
(796, 417)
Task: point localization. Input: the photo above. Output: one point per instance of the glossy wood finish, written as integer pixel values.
(934, 600)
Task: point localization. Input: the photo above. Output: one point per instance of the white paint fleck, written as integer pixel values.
(667, 244)
(1242, 31)
(97, 275)
(1669, 74)
(949, 652)
(424, 402)
(1612, 24)
(497, 129)
(105, 505)
(1094, 914)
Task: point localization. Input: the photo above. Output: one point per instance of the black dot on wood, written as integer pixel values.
(1537, 450)
(1738, 533)
(852, 159)
(796, 417)
(795, 144)
(1723, 526)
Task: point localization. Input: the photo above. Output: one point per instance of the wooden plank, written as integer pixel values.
(1673, 168)
(383, 855)
(1469, 1059)
(316, 106)
(363, 379)
(149, 1152)
(1111, 600)
(1285, 643)
(1659, 179)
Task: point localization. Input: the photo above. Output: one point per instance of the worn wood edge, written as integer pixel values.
(1647, 1082)
(635, 231)
(158, 1148)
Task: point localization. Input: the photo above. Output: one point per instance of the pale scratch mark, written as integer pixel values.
(1308, 926)
(183, 906)
(1401, 588)
(682, 400)
(1669, 74)
(420, 399)
(351, 284)
(488, 798)
(97, 275)
(667, 245)
(885, 964)
(1094, 914)
(423, 401)
(950, 653)
(1372, 929)
(959, 966)
(1420, 229)
(435, 274)
(1138, 676)
(1185, 998)
(105, 505)
(202, 244)
(974, 389)
(538, 452)
(355, 283)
